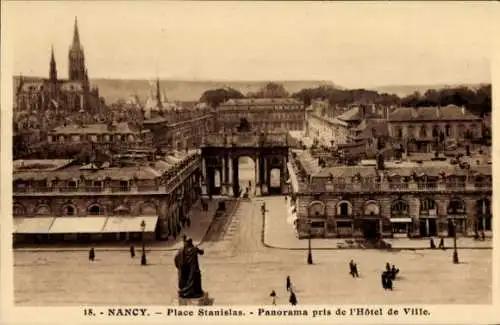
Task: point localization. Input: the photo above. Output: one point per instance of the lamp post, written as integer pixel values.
(455, 252)
(309, 250)
(143, 256)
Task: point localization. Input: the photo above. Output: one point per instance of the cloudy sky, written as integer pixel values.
(351, 44)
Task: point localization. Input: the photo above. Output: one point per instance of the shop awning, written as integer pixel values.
(401, 220)
(35, 225)
(77, 225)
(130, 224)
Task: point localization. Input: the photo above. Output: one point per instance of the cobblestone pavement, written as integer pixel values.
(238, 270)
(280, 233)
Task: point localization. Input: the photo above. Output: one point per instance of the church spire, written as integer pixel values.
(158, 94)
(76, 35)
(76, 57)
(53, 69)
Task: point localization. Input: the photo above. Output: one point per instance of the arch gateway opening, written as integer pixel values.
(249, 164)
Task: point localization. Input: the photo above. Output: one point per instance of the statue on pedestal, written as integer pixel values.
(188, 269)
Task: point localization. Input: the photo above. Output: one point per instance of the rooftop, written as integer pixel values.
(115, 128)
(261, 101)
(450, 112)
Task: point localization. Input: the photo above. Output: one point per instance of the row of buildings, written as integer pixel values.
(414, 199)
(424, 129)
(58, 200)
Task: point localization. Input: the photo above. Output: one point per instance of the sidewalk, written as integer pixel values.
(200, 223)
(280, 233)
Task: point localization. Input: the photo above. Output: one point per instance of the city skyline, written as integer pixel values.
(177, 46)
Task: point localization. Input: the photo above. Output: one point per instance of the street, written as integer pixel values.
(237, 269)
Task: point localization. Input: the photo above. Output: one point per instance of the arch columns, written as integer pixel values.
(223, 181)
(230, 175)
(204, 182)
(258, 191)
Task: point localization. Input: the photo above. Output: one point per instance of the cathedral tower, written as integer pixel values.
(76, 57)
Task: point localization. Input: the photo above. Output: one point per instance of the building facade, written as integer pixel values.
(324, 128)
(422, 126)
(263, 114)
(120, 136)
(55, 94)
(388, 200)
(56, 200)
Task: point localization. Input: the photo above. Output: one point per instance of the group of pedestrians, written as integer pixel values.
(388, 276)
(131, 249)
(289, 288)
(441, 243)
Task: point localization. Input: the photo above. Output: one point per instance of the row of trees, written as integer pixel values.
(477, 100)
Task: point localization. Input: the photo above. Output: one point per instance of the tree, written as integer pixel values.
(271, 90)
(217, 96)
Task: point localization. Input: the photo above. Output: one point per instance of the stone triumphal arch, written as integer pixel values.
(221, 153)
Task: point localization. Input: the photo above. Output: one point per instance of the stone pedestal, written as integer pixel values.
(205, 300)
(230, 191)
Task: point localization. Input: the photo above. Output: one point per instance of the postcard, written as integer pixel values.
(267, 162)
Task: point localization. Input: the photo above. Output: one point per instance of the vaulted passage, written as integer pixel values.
(245, 163)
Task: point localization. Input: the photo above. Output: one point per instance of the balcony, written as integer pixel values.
(330, 187)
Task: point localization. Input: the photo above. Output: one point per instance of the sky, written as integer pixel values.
(351, 44)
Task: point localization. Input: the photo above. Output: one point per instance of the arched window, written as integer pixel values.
(148, 208)
(69, 210)
(435, 131)
(43, 210)
(344, 209)
(427, 204)
(316, 208)
(371, 209)
(18, 210)
(95, 210)
(447, 129)
(456, 206)
(399, 208)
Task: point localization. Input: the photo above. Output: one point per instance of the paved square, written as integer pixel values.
(239, 270)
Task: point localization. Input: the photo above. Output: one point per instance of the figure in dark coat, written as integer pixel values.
(293, 298)
(383, 279)
(288, 283)
(432, 245)
(353, 269)
(387, 266)
(273, 296)
(132, 251)
(394, 272)
(186, 262)
(92, 254)
(441, 243)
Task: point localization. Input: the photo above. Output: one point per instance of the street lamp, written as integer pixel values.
(143, 256)
(455, 252)
(309, 250)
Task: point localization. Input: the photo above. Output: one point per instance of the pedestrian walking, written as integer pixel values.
(273, 297)
(388, 283)
(293, 298)
(353, 269)
(483, 235)
(383, 280)
(432, 244)
(132, 251)
(288, 283)
(394, 272)
(441, 243)
(91, 254)
(387, 267)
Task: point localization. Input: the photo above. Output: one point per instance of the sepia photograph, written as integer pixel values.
(270, 154)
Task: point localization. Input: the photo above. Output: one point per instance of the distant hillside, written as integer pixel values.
(405, 90)
(114, 89)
